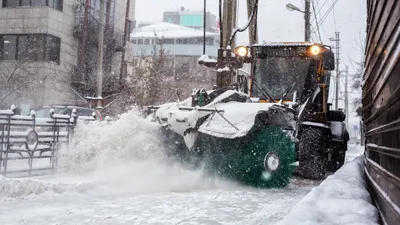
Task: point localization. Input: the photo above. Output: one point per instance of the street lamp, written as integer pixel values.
(307, 27)
(292, 7)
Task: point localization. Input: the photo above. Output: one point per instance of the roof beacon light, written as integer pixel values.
(242, 51)
(315, 50)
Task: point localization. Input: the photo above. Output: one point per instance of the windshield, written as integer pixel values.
(276, 75)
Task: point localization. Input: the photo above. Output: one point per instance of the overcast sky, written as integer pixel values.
(276, 23)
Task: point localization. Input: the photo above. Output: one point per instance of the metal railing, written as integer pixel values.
(26, 138)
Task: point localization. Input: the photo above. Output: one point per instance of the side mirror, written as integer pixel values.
(328, 60)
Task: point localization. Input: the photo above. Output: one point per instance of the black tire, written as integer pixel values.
(312, 153)
(336, 115)
(338, 156)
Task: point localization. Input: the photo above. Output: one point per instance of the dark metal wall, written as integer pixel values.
(381, 106)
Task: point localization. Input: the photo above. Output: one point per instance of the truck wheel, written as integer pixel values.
(312, 153)
(338, 155)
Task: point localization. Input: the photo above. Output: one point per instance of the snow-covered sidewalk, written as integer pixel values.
(341, 199)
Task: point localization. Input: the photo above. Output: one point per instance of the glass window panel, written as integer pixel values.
(22, 47)
(52, 49)
(51, 3)
(36, 43)
(25, 3)
(9, 47)
(169, 41)
(10, 3)
(38, 2)
(58, 4)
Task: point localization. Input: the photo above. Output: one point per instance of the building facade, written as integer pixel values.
(40, 49)
(192, 19)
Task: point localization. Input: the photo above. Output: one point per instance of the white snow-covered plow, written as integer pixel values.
(245, 141)
(25, 138)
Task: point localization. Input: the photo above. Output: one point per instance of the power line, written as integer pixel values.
(316, 22)
(334, 16)
(328, 12)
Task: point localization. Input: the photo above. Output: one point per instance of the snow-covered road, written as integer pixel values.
(218, 205)
(118, 176)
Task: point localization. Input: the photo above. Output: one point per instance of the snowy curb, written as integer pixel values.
(341, 199)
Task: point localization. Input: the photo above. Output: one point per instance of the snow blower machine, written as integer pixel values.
(254, 129)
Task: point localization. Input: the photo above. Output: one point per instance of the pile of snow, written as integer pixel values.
(12, 188)
(99, 144)
(341, 199)
(124, 156)
(127, 156)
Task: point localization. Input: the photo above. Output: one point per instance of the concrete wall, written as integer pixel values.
(56, 87)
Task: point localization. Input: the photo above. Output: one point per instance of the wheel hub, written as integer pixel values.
(271, 161)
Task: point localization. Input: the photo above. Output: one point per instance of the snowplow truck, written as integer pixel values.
(298, 75)
(255, 130)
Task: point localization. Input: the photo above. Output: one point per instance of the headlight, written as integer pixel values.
(241, 51)
(315, 50)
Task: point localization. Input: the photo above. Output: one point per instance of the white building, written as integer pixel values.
(176, 39)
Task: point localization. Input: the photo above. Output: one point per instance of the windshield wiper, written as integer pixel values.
(288, 89)
(264, 92)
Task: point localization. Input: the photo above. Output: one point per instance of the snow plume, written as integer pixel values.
(341, 199)
(128, 156)
(100, 144)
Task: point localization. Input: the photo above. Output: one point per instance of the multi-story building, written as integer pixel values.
(40, 49)
(193, 19)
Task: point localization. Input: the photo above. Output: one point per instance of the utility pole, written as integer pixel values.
(107, 39)
(337, 57)
(82, 63)
(224, 78)
(346, 97)
(253, 33)
(100, 57)
(126, 36)
(204, 26)
(307, 27)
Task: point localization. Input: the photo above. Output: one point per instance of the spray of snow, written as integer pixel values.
(100, 145)
(123, 156)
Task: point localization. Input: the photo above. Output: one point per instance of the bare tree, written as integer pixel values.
(358, 68)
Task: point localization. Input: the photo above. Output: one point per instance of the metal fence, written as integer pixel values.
(25, 139)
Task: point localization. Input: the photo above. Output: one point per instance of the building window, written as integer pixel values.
(140, 41)
(169, 41)
(56, 4)
(30, 47)
(8, 47)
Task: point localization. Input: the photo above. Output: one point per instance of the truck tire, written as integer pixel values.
(312, 153)
(336, 115)
(338, 156)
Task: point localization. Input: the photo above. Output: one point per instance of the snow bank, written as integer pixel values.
(12, 188)
(341, 199)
